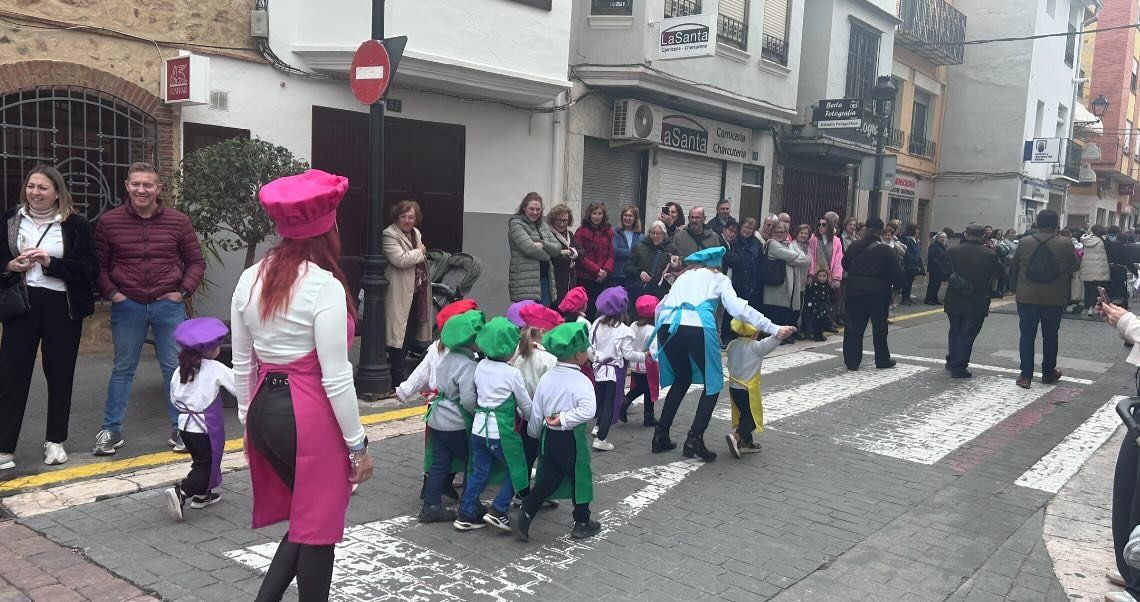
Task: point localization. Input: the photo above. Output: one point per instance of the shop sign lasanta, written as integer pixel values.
(700, 136)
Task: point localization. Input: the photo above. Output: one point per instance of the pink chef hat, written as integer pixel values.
(574, 301)
(304, 205)
(537, 316)
(646, 306)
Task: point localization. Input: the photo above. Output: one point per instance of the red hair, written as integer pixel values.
(279, 271)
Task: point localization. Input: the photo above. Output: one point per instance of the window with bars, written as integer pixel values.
(862, 61)
(1071, 46)
(775, 37)
(682, 8)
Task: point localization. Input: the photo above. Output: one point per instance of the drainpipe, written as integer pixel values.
(558, 154)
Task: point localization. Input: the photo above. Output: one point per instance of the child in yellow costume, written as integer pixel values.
(745, 355)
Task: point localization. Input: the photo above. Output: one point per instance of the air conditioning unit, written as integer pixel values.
(636, 121)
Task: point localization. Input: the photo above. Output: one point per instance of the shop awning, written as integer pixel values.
(1086, 122)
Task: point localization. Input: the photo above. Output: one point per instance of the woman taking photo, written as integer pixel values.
(673, 218)
(744, 260)
(937, 268)
(625, 239)
(53, 259)
(560, 219)
(293, 321)
(651, 264)
(596, 239)
(783, 300)
(532, 246)
(408, 304)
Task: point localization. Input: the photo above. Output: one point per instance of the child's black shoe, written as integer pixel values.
(587, 529)
(436, 514)
(201, 501)
(497, 519)
(520, 524)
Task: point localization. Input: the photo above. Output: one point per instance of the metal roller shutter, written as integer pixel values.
(610, 175)
(689, 180)
(736, 9)
(776, 18)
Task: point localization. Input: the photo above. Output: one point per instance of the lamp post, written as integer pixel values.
(373, 379)
(883, 95)
(1099, 106)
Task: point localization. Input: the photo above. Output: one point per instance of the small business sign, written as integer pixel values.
(700, 136)
(186, 79)
(687, 37)
(1042, 150)
(866, 179)
(904, 186)
(839, 113)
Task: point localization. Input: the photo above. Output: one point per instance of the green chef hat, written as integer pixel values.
(461, 330)
(498, 339)
(567, 340)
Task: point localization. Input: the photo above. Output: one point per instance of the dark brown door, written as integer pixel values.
(201, 135)
(423, 162)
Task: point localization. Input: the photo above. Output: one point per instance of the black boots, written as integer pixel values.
(624, 414)
(661, 442)
(647, 419)
(396, 365)
(695, 446)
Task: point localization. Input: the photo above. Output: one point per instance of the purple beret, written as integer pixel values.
(514, 312)
(613, 301)
(202, 334)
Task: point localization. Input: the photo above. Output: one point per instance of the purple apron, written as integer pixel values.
(213, 422)
(619, 378)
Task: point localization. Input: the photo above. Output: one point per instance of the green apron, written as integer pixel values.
(458, 464)
(582, 491)
(504, 417)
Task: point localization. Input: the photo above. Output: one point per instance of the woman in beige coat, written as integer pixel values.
(408, 305)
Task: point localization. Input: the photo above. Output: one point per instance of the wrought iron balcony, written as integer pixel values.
(921, 148)
(774, 49)
(732, 32)
(682, 8)
(933, 29)
(611, 7)
(895, 138)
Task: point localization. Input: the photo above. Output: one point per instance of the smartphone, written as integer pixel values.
(665, 210)
(1103, 295)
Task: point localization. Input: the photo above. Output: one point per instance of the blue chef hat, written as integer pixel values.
(710, 257)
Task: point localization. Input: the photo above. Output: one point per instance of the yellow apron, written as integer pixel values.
(755, 402)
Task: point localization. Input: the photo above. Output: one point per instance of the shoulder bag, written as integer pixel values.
(14, 293)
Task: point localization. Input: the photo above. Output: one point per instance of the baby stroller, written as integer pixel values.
(452, 276)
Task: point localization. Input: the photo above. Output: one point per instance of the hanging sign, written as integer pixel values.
(686, 37)
(1042, 150)
(839, 113)
(186, 79)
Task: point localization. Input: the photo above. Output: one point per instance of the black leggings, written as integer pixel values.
(747, 423)
(272, 430)
(683, 348)
(197, 481)
(559, 458)
(604, 393)
(639, 388)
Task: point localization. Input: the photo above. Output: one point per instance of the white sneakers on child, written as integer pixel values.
(594, 433)
(603, 445)
(54, 453)
(7, 461)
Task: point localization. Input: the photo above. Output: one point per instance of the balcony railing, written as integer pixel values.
(933, 29)
(611, 7)
(774, 49)
(682, 8)
(895, 138)
(732, 32)
(921, 148)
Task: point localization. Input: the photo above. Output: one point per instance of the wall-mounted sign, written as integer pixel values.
(700, 136)
(686, 37)
(839, 113)
(867, 172)
(186, 79)
(904, 186)
(1042, 150)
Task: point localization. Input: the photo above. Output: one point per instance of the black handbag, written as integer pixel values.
(14, 293)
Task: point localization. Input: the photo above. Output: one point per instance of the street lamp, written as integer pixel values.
(883, 95)
(1099, 106)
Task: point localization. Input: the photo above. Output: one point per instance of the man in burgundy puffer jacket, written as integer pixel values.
(151, 262)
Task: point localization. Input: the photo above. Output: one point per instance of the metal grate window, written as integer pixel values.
(862, 61)
(90, 137)
(682, 8)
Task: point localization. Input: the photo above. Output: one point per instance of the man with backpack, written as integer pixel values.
(1042, 268)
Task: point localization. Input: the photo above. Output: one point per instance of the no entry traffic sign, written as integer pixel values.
(371, 72)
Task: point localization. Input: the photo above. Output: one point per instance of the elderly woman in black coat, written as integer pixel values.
(937, 268)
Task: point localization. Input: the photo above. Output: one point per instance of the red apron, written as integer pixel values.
(317, 505)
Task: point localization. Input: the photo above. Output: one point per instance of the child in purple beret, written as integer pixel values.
(195, 392)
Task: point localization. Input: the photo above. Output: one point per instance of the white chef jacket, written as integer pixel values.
(198, 394)
(611, 347)
(495, 381)
(564, 391)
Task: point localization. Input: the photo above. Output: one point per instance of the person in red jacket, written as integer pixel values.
(150, 261)
(595, 265)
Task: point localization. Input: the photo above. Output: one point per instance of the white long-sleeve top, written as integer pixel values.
(745, 358)
(611, 347)
(423, 378)
(1129, 328)
(198, 394)
(564, 391)
(316, 318)
(641, 342)
(533, 368)
(495, 381)
(696, 286)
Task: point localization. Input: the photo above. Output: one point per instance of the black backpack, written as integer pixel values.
(773, 272)
(1042, 267)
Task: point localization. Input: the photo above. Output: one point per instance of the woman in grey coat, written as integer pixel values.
(532, 245)
(781, 301)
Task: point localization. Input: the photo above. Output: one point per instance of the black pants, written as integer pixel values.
(747, 423)
(683, 348)
(558, 461)
(593, 289)
(960, 340)
(861, 308)
(445, 446)
(1126, 507)
(934, 283)
(197, 482)
(604, 412)
(639, 388)
(47, 322)
(908, 285)
(272, 430)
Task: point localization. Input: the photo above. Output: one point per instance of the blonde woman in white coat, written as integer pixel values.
(1094, 266)
(408, 305)
(781, 301)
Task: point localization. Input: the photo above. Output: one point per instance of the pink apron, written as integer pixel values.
(317, 505)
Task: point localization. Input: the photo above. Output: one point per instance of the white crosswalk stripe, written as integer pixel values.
(1055, 468)
(939, 425)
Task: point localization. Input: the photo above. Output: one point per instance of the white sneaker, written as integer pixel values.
(1120, 596)
(7, 461)
(594, 433)
(1114, 577)
(603, 445)
(54, 453)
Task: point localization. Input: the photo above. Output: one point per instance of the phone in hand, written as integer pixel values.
(664, 209)
(1103, 294)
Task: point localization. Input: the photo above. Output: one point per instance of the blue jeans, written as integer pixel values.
(544, 295)
(963, 331)
(1049, 316)
(130, 322)
(446, 446)
(484, 453)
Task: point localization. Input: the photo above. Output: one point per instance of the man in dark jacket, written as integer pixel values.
(723, 216)
(1042, 302)
(972, 266)
(871, 269)
(696, 236)
(150, 262)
